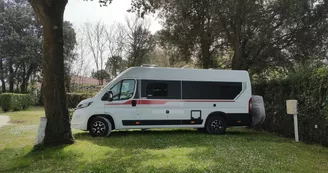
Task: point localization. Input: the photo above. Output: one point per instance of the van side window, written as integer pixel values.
(127, 89)
(123, 90)
(230, 90)
(210, 90)
(116, 90)
(156, 89)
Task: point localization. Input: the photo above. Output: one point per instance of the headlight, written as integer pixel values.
(83, 105)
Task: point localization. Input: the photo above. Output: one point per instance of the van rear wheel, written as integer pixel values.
(100, 127)
(216, 125)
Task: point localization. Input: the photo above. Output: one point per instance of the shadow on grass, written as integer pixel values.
(173, 132)
(160, 139)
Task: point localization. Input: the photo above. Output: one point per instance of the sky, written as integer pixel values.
(81, 11)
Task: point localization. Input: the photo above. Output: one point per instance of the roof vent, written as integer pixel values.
(215, 69)
(149, 65)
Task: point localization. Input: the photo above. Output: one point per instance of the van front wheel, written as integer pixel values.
(216, 125)
(100, 126)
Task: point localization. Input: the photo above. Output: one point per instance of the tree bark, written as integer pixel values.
(236, 59)
(239, 59)
(58, 128)
(24, 85)
(68, 83)
(26, 77)
(11, 78)
(237, 29)
(206, 56)
(3, 84)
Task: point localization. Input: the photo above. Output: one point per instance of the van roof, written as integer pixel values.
(169, 73)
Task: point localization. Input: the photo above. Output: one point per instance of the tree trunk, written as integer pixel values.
(236, 59)
(58, 129)
(239, 60)
(238, 20)
(3, 84)
(68, 83)
(11, 78)
(206, 57)
(24, 85)
(26, 77)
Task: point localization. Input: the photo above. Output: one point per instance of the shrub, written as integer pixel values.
(310, 88)
(74, 98)
(15, 102)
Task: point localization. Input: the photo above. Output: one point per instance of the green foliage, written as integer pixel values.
(74, 98)
(15, 102)
(310, 87)
(115, 65)
(100, 75)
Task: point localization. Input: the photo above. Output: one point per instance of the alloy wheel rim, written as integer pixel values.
(98, 128)
(217, 125)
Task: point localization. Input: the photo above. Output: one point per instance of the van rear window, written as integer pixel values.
(210, 90)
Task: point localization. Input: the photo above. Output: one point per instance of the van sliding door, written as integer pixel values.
(160, 102)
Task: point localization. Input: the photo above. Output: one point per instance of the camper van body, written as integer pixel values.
(156, 97)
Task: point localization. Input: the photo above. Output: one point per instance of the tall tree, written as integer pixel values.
(81, 64)
(69, 54)
(256, 34)
(115, 65)
(139, 41)
(20, 44)
(96, 41)
(100, 75)
(50, 14)
(115, 35)
(193, 27)
(2, 57)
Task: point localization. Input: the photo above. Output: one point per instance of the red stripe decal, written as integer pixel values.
(161, 102)
(208, 101)
(153, 102)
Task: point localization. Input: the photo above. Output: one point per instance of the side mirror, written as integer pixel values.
(108, 96)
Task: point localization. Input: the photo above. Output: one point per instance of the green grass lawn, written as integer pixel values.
(240, 150)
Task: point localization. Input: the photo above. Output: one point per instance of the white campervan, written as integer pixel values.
(156, 97)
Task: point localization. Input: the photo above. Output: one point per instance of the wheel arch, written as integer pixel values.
(109, 117)
(216, 113)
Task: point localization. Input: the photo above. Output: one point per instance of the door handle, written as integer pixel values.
(134, 103)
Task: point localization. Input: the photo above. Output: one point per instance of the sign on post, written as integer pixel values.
(292, 109)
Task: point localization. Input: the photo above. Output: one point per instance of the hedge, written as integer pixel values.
(15, 102)
(310, 88)
(74, 98)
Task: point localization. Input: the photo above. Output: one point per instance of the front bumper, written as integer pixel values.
(80, 119)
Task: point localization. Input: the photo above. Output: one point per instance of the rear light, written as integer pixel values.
(250, 105)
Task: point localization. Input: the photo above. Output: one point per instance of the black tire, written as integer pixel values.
(100, 127)
(216, 125)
